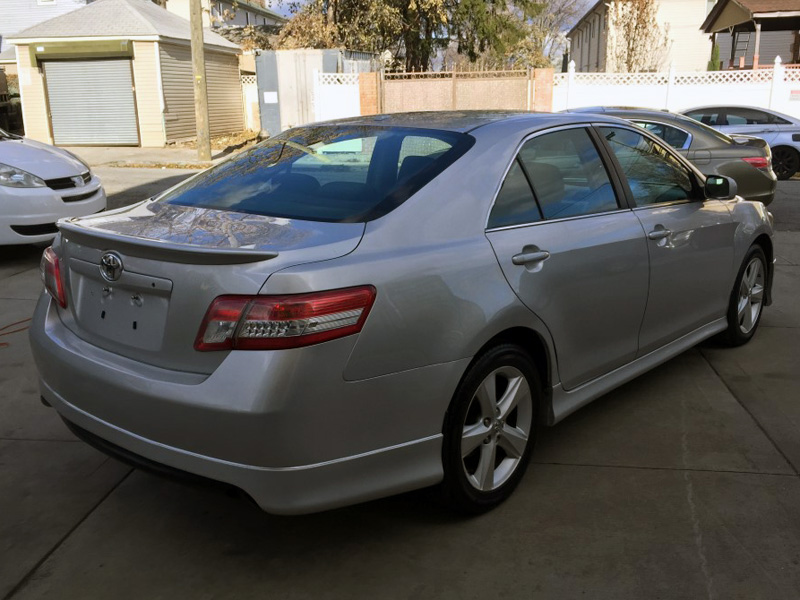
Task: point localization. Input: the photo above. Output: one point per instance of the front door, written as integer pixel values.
(689, 239)
(572, 252)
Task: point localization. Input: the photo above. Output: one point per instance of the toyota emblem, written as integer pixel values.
(110, 266)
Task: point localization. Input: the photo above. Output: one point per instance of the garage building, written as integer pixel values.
(119, 72)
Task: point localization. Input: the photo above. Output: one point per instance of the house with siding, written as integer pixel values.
(21, 14)
(752, 33)
(119, 72)
(229, 13)
(689, 48)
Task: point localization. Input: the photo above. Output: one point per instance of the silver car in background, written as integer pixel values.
(780, 131)
(358, 308)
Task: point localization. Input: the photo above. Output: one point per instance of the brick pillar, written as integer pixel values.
(368, 93)
(543, 92)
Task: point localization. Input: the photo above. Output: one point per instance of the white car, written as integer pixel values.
(40, 184)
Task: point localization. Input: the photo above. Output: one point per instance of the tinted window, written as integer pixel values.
(709, 116)
(747, 116)
(567, 174)
(751, 116)
(674, 137)
(515, 203)
(654, 175)
(344, 173)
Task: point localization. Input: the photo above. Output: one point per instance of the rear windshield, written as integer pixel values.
(340, 173)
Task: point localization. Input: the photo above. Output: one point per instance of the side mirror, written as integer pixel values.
(720, 187)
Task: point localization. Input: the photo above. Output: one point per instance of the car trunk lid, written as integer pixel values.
(139, 280)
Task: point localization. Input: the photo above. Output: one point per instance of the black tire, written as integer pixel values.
(739, 333)
(460, 491)
(785, 162)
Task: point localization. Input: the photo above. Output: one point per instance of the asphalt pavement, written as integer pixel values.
(682, 484)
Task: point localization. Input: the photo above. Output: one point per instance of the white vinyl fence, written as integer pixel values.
(252, 119)
(776, 87)
(336, 96)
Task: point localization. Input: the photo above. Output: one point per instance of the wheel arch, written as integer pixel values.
(765, 242)
(532, 342)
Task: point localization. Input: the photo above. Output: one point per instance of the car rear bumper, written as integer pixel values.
(296, 442)
(29, 215)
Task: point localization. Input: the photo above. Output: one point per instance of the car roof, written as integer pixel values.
(651, 113)
(463, 121)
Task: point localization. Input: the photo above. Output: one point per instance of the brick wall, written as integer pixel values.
(543, 98)
(368, 93)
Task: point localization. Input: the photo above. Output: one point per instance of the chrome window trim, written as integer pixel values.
(525, 140)
(561, 219)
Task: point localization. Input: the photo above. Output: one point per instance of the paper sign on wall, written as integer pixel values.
(270, 97)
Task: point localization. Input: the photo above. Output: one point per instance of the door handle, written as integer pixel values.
(659, 234)
(526, 258)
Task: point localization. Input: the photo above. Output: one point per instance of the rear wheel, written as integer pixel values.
(747, 298)
(489, 430)
(785, 162)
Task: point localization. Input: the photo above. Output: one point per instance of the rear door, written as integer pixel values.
(572, 251)
(750, 121)
(689, 238)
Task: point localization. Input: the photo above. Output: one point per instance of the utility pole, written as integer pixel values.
(200, 88)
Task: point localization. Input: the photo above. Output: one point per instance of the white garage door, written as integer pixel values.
(91, 102)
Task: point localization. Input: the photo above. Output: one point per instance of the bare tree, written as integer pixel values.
(636, 42)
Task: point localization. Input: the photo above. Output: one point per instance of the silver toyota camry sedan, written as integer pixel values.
(358, 308)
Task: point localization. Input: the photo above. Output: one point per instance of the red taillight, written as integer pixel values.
(759, 162)
(279, 322)
(50, 268)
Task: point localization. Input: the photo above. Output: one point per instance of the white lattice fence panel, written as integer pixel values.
(337, 78)
(248, 80)
(336, 96)
(724, 77)
(681, 90)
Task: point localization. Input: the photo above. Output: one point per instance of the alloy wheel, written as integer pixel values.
(496, 428)
(785, 162)
(751, 295)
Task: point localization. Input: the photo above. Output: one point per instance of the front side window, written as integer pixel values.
(567, 174)
(655, 176)
(344, 173)
(673, 136)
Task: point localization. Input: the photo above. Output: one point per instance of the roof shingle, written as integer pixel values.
(119, 18)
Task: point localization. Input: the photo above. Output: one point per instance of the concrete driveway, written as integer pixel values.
(682, 484)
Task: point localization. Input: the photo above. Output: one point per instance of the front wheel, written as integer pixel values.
(747, 298)
(785, 162)
(489, 430)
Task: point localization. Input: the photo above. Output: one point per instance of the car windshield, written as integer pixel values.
(335, 173)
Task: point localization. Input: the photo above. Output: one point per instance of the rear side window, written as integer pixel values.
(654, 175)
(673, 136)
(751, 116)
(515, 203)
(710, 116)
(344, 173)
(567, 174)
